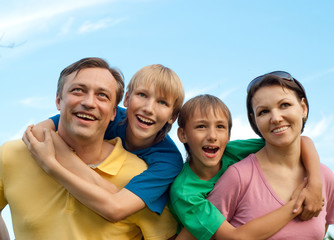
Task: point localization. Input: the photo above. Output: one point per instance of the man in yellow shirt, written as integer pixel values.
(87, 96)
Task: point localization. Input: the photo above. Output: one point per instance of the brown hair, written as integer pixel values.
(270, 80)
(204, 103)
(92, 63)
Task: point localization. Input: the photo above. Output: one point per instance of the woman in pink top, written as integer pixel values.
(277, 111)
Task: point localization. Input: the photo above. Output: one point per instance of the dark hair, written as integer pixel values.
(92, 63)
(204, 103)
(270, 80)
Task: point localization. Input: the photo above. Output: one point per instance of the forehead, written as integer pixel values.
(273, 93)
(93, 78)
(208, 114)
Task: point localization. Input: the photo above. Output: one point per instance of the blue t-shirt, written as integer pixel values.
(164, 162)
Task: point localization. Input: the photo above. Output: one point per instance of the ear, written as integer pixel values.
(182, 135)
(304, 108)
(113, 115)
(172, 119)
(126, 99)
(58, 100)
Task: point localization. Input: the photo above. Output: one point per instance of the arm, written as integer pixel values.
(4, 235)
(65, 156)
(311, 196)
(164, 163)
(98, 197)
(262, 227)
(259, 228)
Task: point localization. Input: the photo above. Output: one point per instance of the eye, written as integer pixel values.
(162, 102)
(140, 94)
(103, 95)
(200, 126)
(262, 112)
(285, 105)
(76, 90)
(221, 126)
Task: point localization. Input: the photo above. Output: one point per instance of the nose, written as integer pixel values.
(149, 106)
(276, 116)
(88, 101)
(212, 134)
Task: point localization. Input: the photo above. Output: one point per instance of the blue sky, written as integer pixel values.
(215, 46)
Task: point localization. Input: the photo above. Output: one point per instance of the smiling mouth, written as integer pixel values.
(145, 121)
(281, 129)
(86, 117)
(211, 150)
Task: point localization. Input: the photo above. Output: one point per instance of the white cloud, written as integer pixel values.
(27, 17)
(102, 23)
(314, 130)
(38, 102)
(241, 129)
(66, 27)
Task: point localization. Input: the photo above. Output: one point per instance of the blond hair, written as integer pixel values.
(166, 82)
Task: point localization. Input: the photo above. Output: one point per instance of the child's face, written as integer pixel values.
(148, 112)
(206, 136)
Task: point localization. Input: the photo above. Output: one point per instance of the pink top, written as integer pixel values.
(243, 194)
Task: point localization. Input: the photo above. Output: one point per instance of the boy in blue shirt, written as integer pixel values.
(154, 97)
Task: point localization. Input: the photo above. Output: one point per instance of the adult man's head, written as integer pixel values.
(87, 96)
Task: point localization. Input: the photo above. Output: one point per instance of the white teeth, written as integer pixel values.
(145, 120)
(280, 129)
(82, 115)
(211, 147)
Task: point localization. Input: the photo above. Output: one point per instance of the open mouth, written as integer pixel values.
(281, 129)
(145, 121)
(86, 117)
(210, 150)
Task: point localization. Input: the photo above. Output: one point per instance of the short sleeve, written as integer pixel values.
(55, 120)
(328, 184)
(225, 194)
(240, 149)
(153, 226)
(199, 216)
(164, 163)
(3, 201)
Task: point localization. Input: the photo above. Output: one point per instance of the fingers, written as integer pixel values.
(298, 203)
(299, 195)
(26, 136)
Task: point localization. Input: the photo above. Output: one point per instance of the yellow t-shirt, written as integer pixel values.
(43, 209)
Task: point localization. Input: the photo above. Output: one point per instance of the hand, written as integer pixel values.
(298, 207)
(42, 150)
(311, 197)
(64, 154)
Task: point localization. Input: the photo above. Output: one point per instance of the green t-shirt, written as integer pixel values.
(188, 192)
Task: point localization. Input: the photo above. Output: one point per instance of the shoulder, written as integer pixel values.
(238, 172)
(327, 176)
(180, 186)
(124, 156)
(13, 148)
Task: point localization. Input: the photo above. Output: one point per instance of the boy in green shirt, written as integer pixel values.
(204, 128)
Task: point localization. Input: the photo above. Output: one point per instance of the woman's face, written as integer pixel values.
(278, 114)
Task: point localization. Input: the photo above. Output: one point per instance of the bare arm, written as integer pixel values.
(311, 195)
(4, 235)
(259, 228)
(92, 190)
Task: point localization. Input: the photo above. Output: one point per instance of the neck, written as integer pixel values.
(203, 172)
(289, 156)
(133, 144)
(90, 151)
